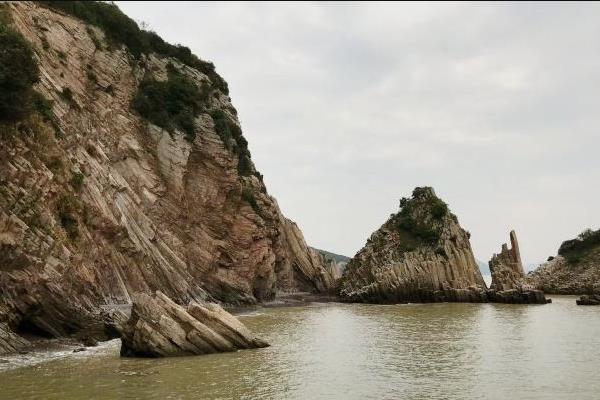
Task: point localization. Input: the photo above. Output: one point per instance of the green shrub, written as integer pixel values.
(421, 228)
(172, 104)
(439, 209)
(248, 196)
(574, 250)
(228, 130)
(68, 209)
(18, 73)
(67, 93)
(119, 29)
(77, 180)
(43, 106)
(94, 38)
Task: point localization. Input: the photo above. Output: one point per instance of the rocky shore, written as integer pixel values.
(97, 202)
(158, 327)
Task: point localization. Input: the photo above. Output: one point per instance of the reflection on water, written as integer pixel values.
(340, 351)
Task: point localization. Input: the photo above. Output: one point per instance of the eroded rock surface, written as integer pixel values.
(589, 300)
(506, 267)
(421, 254)
(575, 270)
(159, 327)
(98, 203)
(508, 285)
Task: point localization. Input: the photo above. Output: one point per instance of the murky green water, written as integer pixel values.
(335, 351)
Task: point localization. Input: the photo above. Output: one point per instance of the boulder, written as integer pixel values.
(158, 327)
(589, 300)
(518, 296)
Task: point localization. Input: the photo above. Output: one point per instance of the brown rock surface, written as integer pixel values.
(153, 211)
(575, 272)
(158, 327)
(421, 254)
(506, 267)
(508, 285)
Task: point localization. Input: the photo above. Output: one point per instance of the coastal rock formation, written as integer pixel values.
(421, 254)
(575, 270)
(506, 267)
(158, 327)
(508, 284)
(97, 203)
(334, 263)
(591, 300)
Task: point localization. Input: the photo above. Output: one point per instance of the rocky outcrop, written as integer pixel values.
(506, 267)
(334, 263)
(158, 327)
(97, 203)
(508, 284)
(421, 254)
(575, 270)
(589, 300)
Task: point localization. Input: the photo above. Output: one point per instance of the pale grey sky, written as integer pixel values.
(348, 107)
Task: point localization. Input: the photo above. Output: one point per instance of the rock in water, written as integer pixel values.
(506, 267)
(159, 327)
(589, 300)
(421, 254)
(508, 277)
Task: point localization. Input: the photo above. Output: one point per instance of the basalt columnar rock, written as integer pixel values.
(508, 275)
(98, 202)
(575, 270)
(421, 254)
(159, 327)
(506, 267)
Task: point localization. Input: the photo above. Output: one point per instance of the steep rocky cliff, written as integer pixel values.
(97, 203)
(420, 254)
(575, 270)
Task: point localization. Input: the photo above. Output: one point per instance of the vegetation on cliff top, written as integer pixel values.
(574, 250)
(416, 221)
(119, 29)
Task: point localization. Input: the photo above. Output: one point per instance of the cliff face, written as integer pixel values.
(575, 270)
(97, 203)
(506, 267)
(420, 254)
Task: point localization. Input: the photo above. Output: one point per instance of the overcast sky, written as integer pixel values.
(348, 107)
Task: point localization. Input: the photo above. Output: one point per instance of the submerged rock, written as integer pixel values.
(589, 300)
(159, 327)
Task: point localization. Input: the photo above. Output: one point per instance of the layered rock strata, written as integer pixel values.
(421, 254)
(158, 327)
(97, 203)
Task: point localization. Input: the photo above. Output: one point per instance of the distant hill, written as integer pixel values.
(483, 267)
(332, 256)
